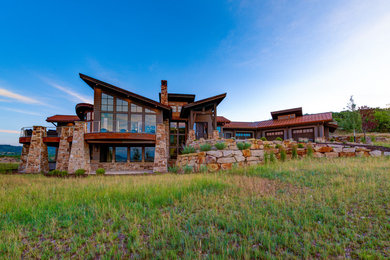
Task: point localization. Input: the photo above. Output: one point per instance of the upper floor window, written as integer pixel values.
(107, 102)
(290, 116)
(174, 109)
(121, 105)
(136, 108)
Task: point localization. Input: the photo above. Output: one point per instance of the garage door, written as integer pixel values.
(307, 133)
(272, 135)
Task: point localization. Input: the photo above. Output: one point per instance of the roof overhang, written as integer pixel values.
(189, 98)
(92, 82)
(297, 111)
(62, 119)
(206, 103)
(81, 108)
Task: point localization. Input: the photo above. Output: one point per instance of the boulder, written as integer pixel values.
(252, 158)
(238, 152)
(324, 149)
(386, 153)
(239, 158)
(331, 155)
(246, 153)
(227, 153)
(347, 154)
(318, 155)
(201, 159)
(362, 149)
(226, 160)
(211, 159)
(301, 151)
(349, 149)
(259, 153)
(252, 162)
(213, 167)
(376, 153)
(215, 153)
(226, 166)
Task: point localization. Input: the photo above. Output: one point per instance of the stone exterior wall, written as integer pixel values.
(64, 148)
(79, 154)
(161, 153)
(23, 157)
(37, 159)
(216, 160)
(121, 166)
(190, 136)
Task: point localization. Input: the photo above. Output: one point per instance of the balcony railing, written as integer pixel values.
(50, 131)
(119, 126)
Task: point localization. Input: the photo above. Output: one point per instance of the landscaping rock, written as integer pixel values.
(376, 153)
(349, 150)
(386, 153)
(252, 158)
(210, 159)
(239, 158)
(318, 155)
(259, 153)
(226, 166)
(217, 154)
(226, 160)
(227, 153)
(246, 153)
(324, 149)
(331, 155)
(213, 167)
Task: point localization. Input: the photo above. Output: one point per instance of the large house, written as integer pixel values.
(125, 132)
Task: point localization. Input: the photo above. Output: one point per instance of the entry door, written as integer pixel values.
(201, 130)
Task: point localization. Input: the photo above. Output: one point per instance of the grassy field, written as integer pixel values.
(8, 167)
(303, 209)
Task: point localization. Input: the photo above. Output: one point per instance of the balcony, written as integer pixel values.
(119, 132)
(52, 135)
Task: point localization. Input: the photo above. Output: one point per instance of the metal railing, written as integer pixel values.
(50, 131)
(120, 126)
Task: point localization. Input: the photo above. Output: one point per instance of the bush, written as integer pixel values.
(283, 155)
(57, 173)
(272, 157)
(266, 157)
(203, 169)
(278, 146)
(278, 139)
(173, 169)
(310, 151)
(220, 146)
(187, 169)
(63, 174)
(79, 172)
(205, 147)
(243, 145)
(351, 139)
(373, 138)
(294, 152)
(263, 139)
(100, 171)
(188, 149)
(332, 139)
(301, 146)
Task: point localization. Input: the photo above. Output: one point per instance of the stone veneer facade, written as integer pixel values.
(63, 153)
(37, 158)
(224, 159)
(79, 154)
(161, 151)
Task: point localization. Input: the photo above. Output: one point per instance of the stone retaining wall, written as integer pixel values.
(121, 166)
(215, 159)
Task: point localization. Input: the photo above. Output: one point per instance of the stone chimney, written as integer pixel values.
(164, 92)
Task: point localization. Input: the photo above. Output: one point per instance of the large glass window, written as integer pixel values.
(121, 154)
(107, 102)
(121, 105)
(135, 154)
(106, 122)
(136, 123)
(177, 138)
(149, 154)
(106, 153)
(121, 123)
(136, 108)
(150, 124)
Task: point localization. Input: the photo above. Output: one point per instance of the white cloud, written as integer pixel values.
(9, 131)
(28, 100)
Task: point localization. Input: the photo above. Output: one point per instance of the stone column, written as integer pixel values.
(166, 124)
(37, 159)
(64, 148)
(191, 136)
(23, 157)
(79, 153)
(215, 135)
(161, 153)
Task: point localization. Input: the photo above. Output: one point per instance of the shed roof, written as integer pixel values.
(202, 103)
(62, 118)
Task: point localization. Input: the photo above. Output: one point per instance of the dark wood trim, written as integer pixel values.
(119, 136)
(51, 139)
(24, 140)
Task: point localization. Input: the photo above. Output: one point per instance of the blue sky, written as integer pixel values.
(267, 55)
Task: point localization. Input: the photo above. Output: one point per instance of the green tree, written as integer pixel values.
(382, 117)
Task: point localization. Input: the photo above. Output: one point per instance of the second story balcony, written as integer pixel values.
(51, 134)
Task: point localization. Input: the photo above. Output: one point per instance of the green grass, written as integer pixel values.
(297, 209)
(381, 144)
(8, 167)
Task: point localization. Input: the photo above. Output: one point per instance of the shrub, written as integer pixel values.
(100, 171)
(283, 155)
(243, 145)
(363, 140)
(173, 169)
(332, 139)
(53, 173)
(373, 138)
(220, 146)
(79, 172)
(351, 139)
(294, 152)
(188, 149)
(272, 157)
(266, 157)
(205, 147)
(263, 139)
(203, 169)
(63, 174)
(187, 169)
(278, 139)
(278, 146)
(301, 146)
(310, 151)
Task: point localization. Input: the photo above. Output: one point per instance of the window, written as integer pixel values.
(106, 122)
(219, 129)
(244, 135)
(107, 102)
(228, 135)
(290, 116)
(178, 108)
(149, 111)
(149, 154)
(177, 138)
(121, 105)
(121, 123)
(106, 153)
(136, 123)
(150, 124)
(121, 154)
(174, 109)
(136, 108)
(135, 154)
